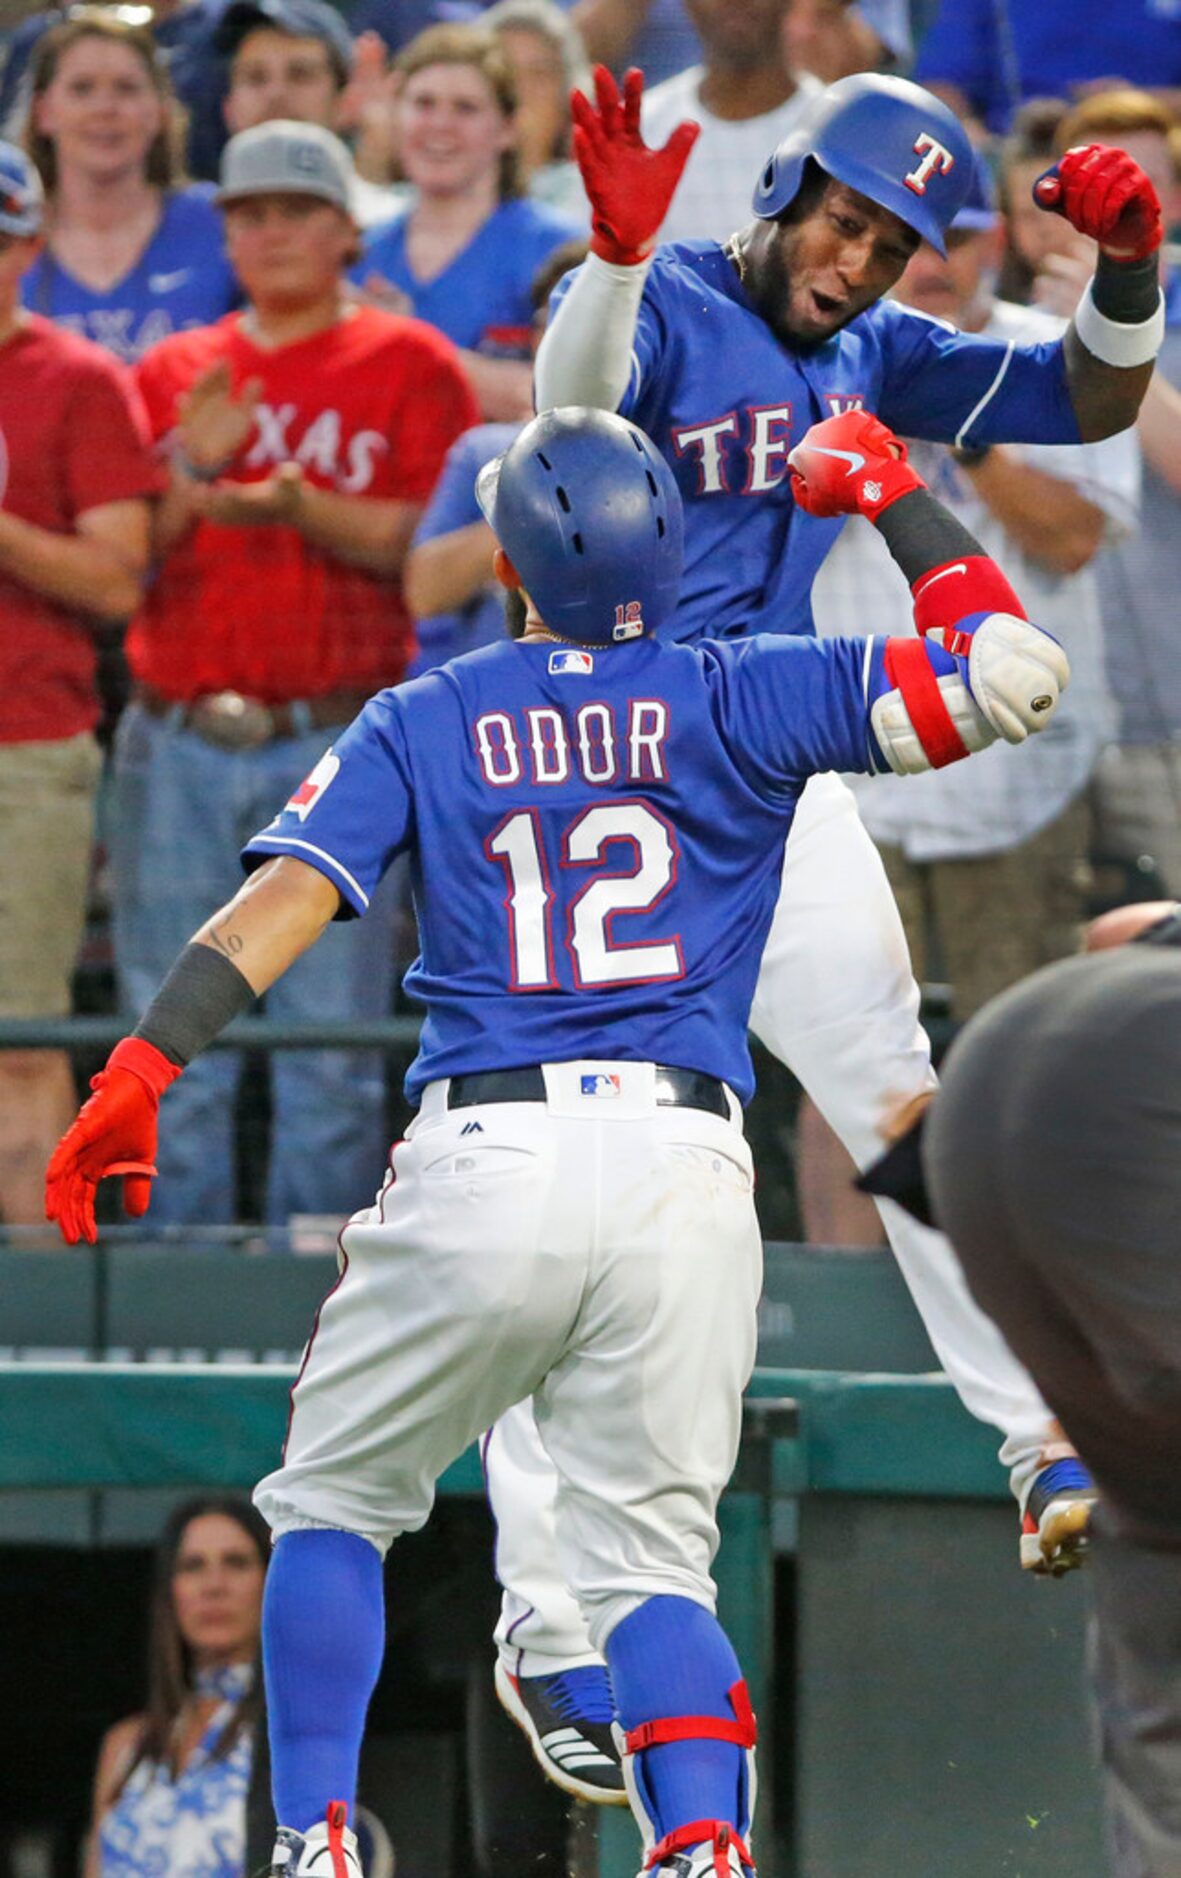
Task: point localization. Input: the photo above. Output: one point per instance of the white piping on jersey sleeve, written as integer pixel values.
(866, 669)
(271, 844)
(587, 355)
(989, 395)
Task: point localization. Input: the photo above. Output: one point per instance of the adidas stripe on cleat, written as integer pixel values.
(567, 1721)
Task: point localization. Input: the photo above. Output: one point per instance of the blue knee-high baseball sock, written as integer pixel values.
(323, 1634)
(672, 1657)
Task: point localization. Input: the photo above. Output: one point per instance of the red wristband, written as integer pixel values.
(946, 594)
(142, 1059)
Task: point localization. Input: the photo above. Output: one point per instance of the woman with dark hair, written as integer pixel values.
(171, 1784)
(463, 254)
(132, 254)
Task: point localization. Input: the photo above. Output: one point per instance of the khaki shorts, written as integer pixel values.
(987, 921)
(47, 793)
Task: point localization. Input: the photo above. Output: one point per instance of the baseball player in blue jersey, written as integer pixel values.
(726, 355)
(596, 821)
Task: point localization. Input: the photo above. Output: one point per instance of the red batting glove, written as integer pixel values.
(629, 186)
(851, 465)
(115, 1133)
(1104, 194)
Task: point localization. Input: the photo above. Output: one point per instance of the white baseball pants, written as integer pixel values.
(594, 1252)
(837, 1003)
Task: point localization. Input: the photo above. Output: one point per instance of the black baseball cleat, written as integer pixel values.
(567, 1719)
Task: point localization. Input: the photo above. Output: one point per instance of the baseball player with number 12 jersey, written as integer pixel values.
(596, 821)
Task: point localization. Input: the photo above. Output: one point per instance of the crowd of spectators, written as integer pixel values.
(271, 278)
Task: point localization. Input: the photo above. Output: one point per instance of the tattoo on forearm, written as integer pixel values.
(228, 943)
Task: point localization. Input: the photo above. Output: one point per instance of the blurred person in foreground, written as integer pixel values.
(303, 437)
(172, 1785)
(1052, 1156)
(132, 252)
(76, 473)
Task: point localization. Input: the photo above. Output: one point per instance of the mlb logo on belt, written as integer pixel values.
(600, 1084)
(580, 662)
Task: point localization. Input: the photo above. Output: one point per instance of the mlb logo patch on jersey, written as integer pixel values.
(579, 662)
(312, 787)
(600, 1084)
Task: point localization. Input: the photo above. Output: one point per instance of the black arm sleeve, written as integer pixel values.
(202, 993)
(921, 534)
(1128, 291)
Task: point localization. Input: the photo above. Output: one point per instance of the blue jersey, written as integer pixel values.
(596, 838)
(453, 505)
(725, 401)
(483, 298)
(181, 279)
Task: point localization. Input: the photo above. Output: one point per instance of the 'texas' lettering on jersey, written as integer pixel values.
(345, 459)
(544, 745)
(745, 452)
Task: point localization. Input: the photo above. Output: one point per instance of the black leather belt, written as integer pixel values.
(675, 1089)
(232, 721)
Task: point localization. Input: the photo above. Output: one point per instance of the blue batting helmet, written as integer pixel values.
(587, 510)
(888, 139)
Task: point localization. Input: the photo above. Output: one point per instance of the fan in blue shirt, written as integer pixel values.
(131, 256)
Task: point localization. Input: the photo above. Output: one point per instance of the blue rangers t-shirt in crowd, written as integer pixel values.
(482, 299)
(182, 278)
(596, 838)
(725, 401)
(453, 505)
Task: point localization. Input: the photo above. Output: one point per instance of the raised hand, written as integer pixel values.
(628, 185)
(1105, 194)
(850, 465)
(114, 1133)
(214, 420)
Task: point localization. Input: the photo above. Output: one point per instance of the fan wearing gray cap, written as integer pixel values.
(307, 432)
(75, 476)
(295, 59)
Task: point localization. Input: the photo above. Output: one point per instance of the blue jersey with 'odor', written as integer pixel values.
(596, 838)
(725, 401)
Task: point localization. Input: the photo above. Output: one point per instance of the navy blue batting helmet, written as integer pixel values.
(888, 139)
(587, 510)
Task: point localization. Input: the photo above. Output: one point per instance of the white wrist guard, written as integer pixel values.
(586, 354)
(1017, 674)
(1115, 342)
(900, 742)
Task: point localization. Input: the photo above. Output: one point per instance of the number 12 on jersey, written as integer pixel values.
(597, 958)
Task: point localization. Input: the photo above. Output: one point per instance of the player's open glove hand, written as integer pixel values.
(115, 1133)
(1104, 194)
(628, 185)
(851, 465)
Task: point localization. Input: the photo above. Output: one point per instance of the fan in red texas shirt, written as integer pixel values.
(304, 436)
(75, 472)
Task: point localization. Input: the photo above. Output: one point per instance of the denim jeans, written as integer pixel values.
(182, 809)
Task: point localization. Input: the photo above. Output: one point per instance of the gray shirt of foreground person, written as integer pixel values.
(1053, 1155)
